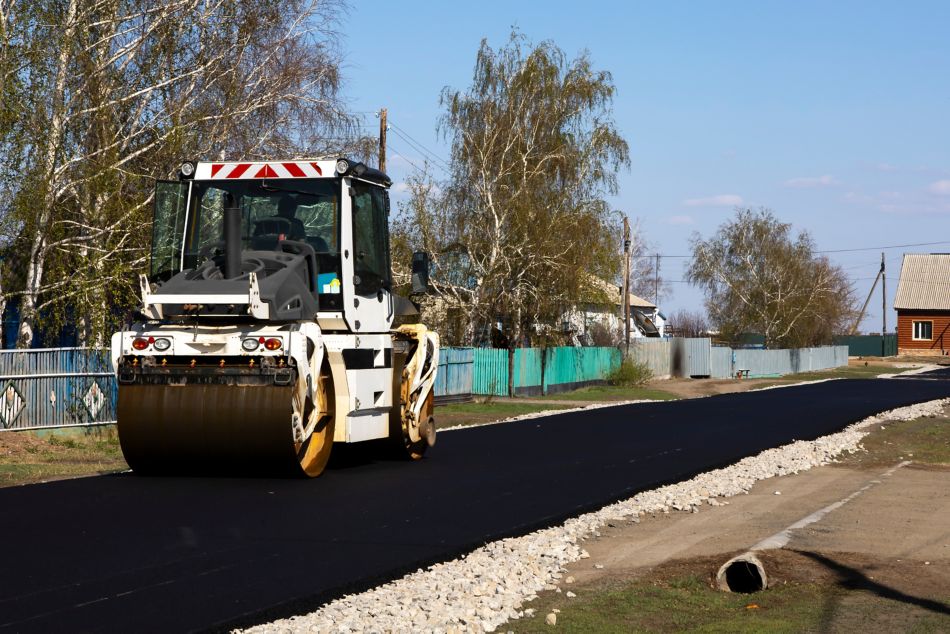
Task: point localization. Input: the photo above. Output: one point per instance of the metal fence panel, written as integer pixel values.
(527, 369)
(653, 353)
(454, 375)
(720, 363)
(490, 372)
(698, 352)
(869, 345)
(565, 366)
(772, 363)
(56, 387)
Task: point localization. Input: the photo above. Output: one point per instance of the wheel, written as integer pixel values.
(313, 424)
(424, 431)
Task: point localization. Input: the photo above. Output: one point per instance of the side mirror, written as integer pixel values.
(420, 273)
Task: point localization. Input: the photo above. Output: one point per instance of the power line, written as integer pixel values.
(419, 147)
(893, 246)
(403, 156)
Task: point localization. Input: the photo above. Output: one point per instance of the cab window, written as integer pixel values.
(370, 239)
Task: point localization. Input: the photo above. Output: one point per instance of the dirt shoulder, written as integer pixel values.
(879, 562)
(27, 457)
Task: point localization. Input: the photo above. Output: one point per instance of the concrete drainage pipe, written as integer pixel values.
(744, 573)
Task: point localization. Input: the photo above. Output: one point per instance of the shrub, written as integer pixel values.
(630, 373)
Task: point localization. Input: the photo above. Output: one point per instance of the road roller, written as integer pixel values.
(266, 330)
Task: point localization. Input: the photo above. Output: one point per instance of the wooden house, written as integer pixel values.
(923, 304)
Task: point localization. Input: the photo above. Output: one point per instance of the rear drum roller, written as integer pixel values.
(316, 418)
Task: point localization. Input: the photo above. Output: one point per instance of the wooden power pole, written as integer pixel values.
(626, 282)
(883, 309)
(382, 139)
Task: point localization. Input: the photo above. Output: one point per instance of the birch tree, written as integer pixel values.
(759, 278)
(120, 91)
(534, 153)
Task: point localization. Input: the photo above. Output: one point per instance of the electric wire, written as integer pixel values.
(419, 147)
(403, 156)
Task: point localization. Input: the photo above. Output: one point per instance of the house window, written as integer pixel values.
(923, 330)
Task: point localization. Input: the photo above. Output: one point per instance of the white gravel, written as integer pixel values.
(490, 586)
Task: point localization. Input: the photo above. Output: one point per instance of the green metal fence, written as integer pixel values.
(869, 345)
(490, 372)
(569, 368)
(562, 369)
(527, 370)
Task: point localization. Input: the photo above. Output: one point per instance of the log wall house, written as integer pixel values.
(923, 304)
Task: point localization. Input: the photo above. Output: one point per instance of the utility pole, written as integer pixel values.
(883, 308)
(382, 139)
(656, 282)
(626, 282)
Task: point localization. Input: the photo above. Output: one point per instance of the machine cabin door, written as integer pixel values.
(369, 307)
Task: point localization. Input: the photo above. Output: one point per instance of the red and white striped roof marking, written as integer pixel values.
(286, 169)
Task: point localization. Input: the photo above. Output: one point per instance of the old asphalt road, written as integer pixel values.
(134, 554)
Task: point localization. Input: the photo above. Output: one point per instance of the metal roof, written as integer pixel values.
(615, 293)
(924, 282)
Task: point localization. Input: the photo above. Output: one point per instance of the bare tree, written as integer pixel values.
(688, 323)
(120, 91)
(757, 278)
(646, 278)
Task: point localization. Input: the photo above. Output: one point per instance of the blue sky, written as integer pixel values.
(834, 115)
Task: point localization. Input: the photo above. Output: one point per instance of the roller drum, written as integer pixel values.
(208, 429)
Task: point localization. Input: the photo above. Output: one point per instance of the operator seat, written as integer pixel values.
(269, 231)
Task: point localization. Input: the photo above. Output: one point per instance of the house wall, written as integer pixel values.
(940, 344)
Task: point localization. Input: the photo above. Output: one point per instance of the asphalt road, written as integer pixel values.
(126, 553)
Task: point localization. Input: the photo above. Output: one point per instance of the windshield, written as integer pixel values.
(271, 210)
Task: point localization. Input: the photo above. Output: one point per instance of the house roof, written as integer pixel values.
(924, 282)
(615, 293)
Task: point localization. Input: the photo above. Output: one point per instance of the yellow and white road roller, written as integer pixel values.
(265, 333)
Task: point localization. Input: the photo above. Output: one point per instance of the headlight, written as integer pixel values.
(140, 343)
(162, 344)
(342, 166)
(249, 345)
(273, 344)
(187, 169)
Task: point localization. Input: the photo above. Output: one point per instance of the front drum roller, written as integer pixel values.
(194, 428)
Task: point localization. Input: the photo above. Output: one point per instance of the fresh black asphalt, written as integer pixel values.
(135, 554)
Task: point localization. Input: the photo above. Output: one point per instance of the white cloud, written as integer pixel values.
(941, 188)
(680, 220)
(811, 182)
(400, 187)
(720, 200)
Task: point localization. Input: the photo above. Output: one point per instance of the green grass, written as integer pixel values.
(477, 413)
(849, 372)
(612, 393)
(494, 410)
(686, 604)
(924, 440)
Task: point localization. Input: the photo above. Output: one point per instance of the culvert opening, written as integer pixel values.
(744, 574)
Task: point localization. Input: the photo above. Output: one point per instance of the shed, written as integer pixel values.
(923, 304)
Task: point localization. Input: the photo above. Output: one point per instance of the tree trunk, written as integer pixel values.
(37, 261)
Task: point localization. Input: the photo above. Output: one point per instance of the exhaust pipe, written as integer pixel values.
(744, 573)
(232, 242)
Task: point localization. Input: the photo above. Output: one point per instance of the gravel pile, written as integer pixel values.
(491, 585)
